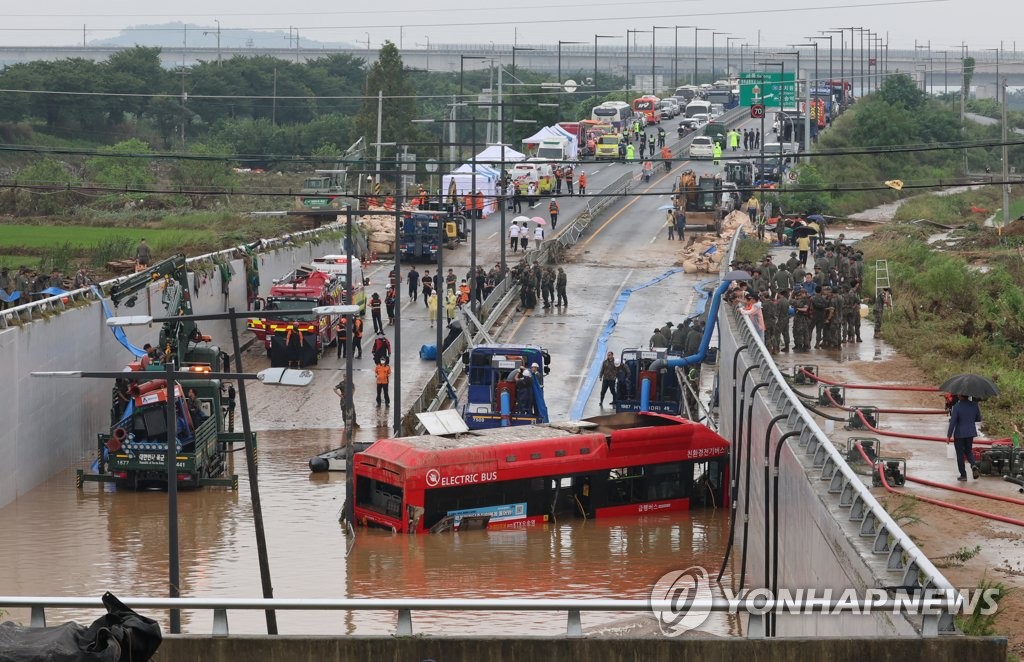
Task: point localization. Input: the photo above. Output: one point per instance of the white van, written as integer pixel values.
(337, 265)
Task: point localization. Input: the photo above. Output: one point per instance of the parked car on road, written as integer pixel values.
(702, 148)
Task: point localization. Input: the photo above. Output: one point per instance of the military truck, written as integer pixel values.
(132, 453)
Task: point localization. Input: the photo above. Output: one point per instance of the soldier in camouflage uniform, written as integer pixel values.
(758, 282)
(801, 321)
(833, 320)
(782, 323)
(853, 313)
(547, 286)
(769, 311)
(783, 280)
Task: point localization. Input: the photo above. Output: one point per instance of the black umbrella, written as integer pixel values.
(804, 231)
(737, 275)
(974, 386)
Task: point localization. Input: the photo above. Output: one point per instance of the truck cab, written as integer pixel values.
(337, 266)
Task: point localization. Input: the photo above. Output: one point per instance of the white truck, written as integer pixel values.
(554, 149)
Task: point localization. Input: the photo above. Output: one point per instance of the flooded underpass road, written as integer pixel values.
(64, 542)
(61, 541)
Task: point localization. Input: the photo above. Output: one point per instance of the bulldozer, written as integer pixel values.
(701, 198)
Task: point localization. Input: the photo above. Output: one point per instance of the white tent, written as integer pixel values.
(550, 133)
(543, 134)
(493, 155)
(486, 183)
(573, 141)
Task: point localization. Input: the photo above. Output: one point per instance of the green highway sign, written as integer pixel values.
(768, 85)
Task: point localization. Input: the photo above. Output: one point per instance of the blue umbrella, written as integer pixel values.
(816, 217)
(666, 207)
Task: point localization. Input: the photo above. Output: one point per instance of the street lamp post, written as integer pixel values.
(596, 37)
(829, 37)
(514, 50)
(629, 85)
(560, 42)
(462, 73)
(714, 73)
(654, 34)
(728, 61)
(216, 32)
(675, 62)
(695, 31)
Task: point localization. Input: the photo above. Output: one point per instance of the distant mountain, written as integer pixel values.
(175, 34)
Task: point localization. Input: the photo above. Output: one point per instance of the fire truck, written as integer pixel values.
(302, 289)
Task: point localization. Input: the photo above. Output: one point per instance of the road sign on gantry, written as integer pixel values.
(768, 85)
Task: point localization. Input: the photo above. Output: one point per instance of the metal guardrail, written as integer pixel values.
(866, 518)
(756, 608)
(53, 305)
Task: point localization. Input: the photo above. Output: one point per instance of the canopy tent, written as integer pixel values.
(554, 133)
(486, 183)
(573, 140)
(493, 155)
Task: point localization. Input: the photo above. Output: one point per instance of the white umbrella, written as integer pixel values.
(521, 219)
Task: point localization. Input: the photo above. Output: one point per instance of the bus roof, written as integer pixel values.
(611, 436)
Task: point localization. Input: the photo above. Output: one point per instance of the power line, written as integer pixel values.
(283, 158)
(291, 193)
(519, 21)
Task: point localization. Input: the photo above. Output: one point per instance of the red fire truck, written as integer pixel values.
(523, 476)
(301, 289)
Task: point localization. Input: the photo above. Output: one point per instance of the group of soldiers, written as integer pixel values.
(825, 303)
(30, 284)
(547, 281)
(684, 339)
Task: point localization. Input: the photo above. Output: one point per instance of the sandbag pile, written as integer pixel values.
(696, 256)
(380, 231)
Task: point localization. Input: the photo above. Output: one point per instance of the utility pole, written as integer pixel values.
(1006, 169)
(380, 117)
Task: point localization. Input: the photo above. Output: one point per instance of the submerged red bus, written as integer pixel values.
(516, 477)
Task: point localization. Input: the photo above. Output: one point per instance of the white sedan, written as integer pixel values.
(702, 148)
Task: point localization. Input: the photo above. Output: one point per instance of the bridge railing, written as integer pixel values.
(866, 517)
(667, 611)
(52, 305)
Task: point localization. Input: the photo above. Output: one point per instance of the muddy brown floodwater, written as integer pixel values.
(60, 541)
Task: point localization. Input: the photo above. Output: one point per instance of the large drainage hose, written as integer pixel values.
(897, 387)
(964, 490)
(952, 506)
(922, 437)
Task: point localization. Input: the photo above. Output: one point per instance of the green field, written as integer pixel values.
(83, 236)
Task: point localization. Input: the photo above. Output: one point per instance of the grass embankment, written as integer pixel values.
(94, 240)
(951, 316)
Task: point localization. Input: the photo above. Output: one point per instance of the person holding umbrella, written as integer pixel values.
(963, 419)
(965, 415)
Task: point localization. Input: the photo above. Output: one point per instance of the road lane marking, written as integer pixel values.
(597, 336)
(628, 204)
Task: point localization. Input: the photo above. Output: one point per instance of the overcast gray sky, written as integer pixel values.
(981, 23)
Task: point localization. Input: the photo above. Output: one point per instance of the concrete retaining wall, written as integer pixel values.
(822, 543)
(359, 649)
(47, 425)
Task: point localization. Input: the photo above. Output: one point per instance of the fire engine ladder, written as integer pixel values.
(881, 275)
